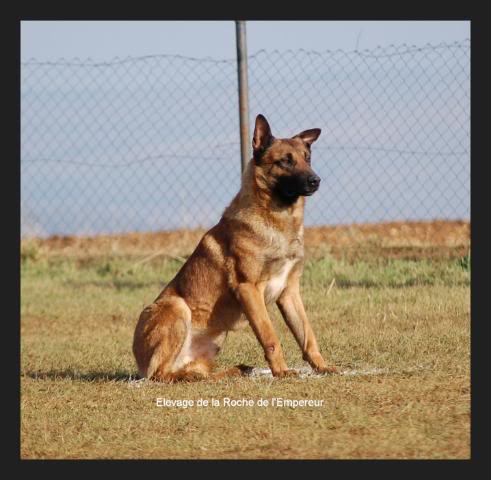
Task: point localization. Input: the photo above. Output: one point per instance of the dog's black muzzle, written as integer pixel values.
(298, 185)
(312, 184)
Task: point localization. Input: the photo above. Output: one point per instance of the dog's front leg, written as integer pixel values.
(291, 307)
(252, 302)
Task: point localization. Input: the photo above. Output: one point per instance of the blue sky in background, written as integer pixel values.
(153, 144)
(47, 40)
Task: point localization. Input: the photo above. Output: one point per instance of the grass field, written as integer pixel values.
(397, 326)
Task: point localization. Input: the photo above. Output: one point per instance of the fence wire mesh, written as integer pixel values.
(151, 143)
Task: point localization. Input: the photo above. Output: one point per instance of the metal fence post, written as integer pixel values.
(240, 30)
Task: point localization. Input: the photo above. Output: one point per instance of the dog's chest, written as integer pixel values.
(276, 283)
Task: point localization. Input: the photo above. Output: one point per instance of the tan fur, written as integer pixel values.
(254, 255)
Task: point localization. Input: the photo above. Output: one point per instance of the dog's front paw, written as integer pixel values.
(285, 373)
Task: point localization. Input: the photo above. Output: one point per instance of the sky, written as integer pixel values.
(101, 40)
(153, 144)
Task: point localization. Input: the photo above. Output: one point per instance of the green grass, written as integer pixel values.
(408, 318)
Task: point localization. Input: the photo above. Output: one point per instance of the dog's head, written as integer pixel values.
(283, 164)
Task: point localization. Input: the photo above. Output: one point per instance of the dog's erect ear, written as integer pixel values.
(262, 134)
(309, 136)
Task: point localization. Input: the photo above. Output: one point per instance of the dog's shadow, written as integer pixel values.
(92, 376)
(97, 376)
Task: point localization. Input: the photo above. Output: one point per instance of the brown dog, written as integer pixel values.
(253, 256)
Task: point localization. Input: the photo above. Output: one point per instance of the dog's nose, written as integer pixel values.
(314, 181)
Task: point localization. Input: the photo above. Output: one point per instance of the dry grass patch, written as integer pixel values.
(401, 326)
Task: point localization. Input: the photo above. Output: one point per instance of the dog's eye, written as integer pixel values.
(285, 162)
(289, 161)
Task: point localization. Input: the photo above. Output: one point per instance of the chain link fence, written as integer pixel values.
(151, 143)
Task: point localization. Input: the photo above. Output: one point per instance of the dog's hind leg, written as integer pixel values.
(237, 371)
(197, 369)
(167, 350)
(162, 334)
